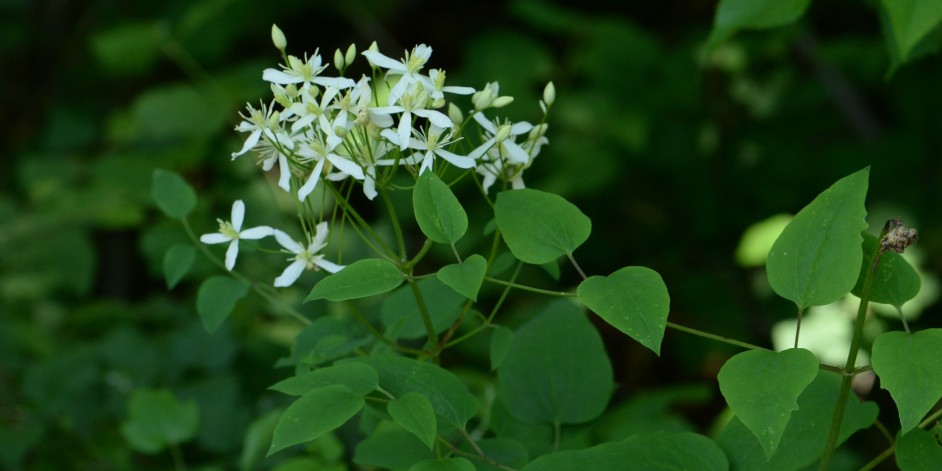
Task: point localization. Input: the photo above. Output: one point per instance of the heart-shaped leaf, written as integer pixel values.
(173, 195)
(437, 210)
(465, 277)
(762, 388)
(634, 300)
(413, 412)
(919, 450)
(643, 451)
(816, 259)
(910, 368)
(358, 280)
(216, 299)
(540, 227)
(314, 414)
(895, 281)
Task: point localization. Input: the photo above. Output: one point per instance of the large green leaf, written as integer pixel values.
(173, 195)
(413, 412)
(157, 419)
(650, 451)
(540, 227)
(452, 402)
(314, 414)
(816, 259)
(437, 210)
(919, 450)
(734, 15)
(395, 450)
(465, 277)
(177, 262)
(634, 300)
(910, 22)
(360, 378)
(216, 299)
(505, 451)
(910, 368)
(556, 370)
(400, 312)
(358, 280)
(806, 434)
(895, 281)
(762, 388)
(501, 340)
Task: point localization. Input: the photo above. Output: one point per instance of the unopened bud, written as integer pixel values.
(438, 103)
(338, 59)
(482, 99)
(549, 94)
(278, 38)
(502, 101)
(503, 132)
(454, 114)
(373, 47)
(351, 54)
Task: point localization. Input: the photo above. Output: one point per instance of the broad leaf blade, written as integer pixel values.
(762, 388)
(465, 277)
(314, 414)
(816, 259)
(649, 451)
(895, 281)
(359, 378)
(734, 15)
(173, 195)
(400, 312)
(634, 300)
(910, 368)
(501, 340)
(557, 369)
(391, 449)
(413, 412)
(910, 22)
(437, 210)
(360, 279)
(157, 419)
(216, 299)
(177, 262)
(919, 450)
(540, 227)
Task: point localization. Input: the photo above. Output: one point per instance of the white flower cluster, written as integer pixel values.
(320, 128)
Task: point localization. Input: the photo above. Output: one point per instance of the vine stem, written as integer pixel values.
(718, 338)
(848, 377)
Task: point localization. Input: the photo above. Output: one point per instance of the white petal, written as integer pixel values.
(385, 110)
(256, 233)
(426, 162)
(489, 179)
(458, 90)
(249, 143)
(238, 212)
(340, 83)
(380, 120)
(517, 182)
(290, 275)
(287, 242)
(485, 123)
(436, 117)
(378, 59)
(279, 77)
(231, 253)
(346, 166)
(456, 160)
(522, 127)
(369, 188)
(285, 177)
(311, 181)
(320, 235)
(327, 266)
(214, 238)
(481, 149)
(405, 129)
(517, 154)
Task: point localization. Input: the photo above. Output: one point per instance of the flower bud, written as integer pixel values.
(482, 99)
(438, 103)
(502, 101)
(373, 47)
(454, 114)
(549, 94)
(503, 132)
(351, 54)
(338, 59)
(278, 38)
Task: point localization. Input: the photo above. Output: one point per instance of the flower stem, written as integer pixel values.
(718, 338)
(528, 288)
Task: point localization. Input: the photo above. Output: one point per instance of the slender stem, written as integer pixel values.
(718, 338)
(929, 420)
(903, 319)
(379, 335)
(528, 288)
(409, 265)
(178, 462)
(423, 310)
(798, 327)
(397, 229)
(879, 459)
(557, 434)
(886, 433)
(576, 264)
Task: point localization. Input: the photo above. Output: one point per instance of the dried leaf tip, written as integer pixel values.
(898, 237)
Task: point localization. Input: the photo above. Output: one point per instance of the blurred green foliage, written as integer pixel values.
(672, 149)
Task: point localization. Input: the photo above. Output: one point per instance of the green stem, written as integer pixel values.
(178, 463)
(718, 338)
(397, 229)
(528, 288)
(576, 264)
(379, 335)
(879, 459)
(409, 265)
(798, 327)
(848, 377)
(426, 317)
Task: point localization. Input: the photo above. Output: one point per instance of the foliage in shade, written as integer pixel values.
(360, 279)
(501, 340)
(403, 318)
(910, 24)
(505, 451)
(437, 211)
(895, 280)
(394, 449)
(465, 277)
(659, 451)
(413, 412)
(816, 259)
(216, 299)
(540, 227)
(157, 419)
(734, 15)
(314, 414)
(919, 450)
(359, 378)
(556, 370)
(177, 262)
(803, 441)
(910, 368)
(446, 464)
(634, 300)
(173, 195)
(762, 388)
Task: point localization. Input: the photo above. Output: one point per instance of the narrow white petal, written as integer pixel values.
(346, 166)
(489, 179)
(279, 77)
(231, 253)
(249, 143)
(369, 188)
(287, 242)
(311, 181)
(426, 162)
(256, 233)
(458, 90)
(290, 275)
(517, 182)
(214, 238)
(320, 235)
(436, 117)
(456, 160)
(485, 123)
(285, 177)
(405, 129)
(385, 110)
(238, 212)
(522, 127)
(380, 60)
(517, 154)
(327, 266)
(481, 149)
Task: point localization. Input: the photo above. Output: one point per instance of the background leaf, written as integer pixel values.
(910, 368)
(661, 450)
(501, 340)
(157, 419)
(177, 262)
(360, 279)
(919, 450)
(447, 464)
(557, 369)
(216, 299)
(816, 259)
(465, 277)
(762, 388)
(173, 195)
(437, 210)
(910, 22)
(540, 227)
(413, 412)
(634, 300)
(359, 378)
(396, 450)
(734, 15)
(400, 312)
(313, 414)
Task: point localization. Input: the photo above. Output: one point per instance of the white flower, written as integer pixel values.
(500, 157)
(439, 89)
(263, 120)
(501, 137)
(409, 104)
(433, 143)
(306, 72)
(320, 151)
(408, 68)
(231, 231)
(305, 258)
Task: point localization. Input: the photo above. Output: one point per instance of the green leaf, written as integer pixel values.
(393, 449)
(539, 227)
(634, 300)
(501, 339)
(216, 299)
(314, 414)
(895, 281)
(178, 112)
(734, 15)
(919, 450)
(177, 262)
(452, 402)
(649, 451)
(816, 259)
(359, 378)
(413, 412)
(130, 48)
(257, 439)
(507, 452)
(157, 419)
(465, 277)
(910, 368)
(762, 388)
(910, 22)
(401, 311)
(806, 434)
(437, 210)
(446, 464)
(360, 279)
(556, 370)
(173, 195)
